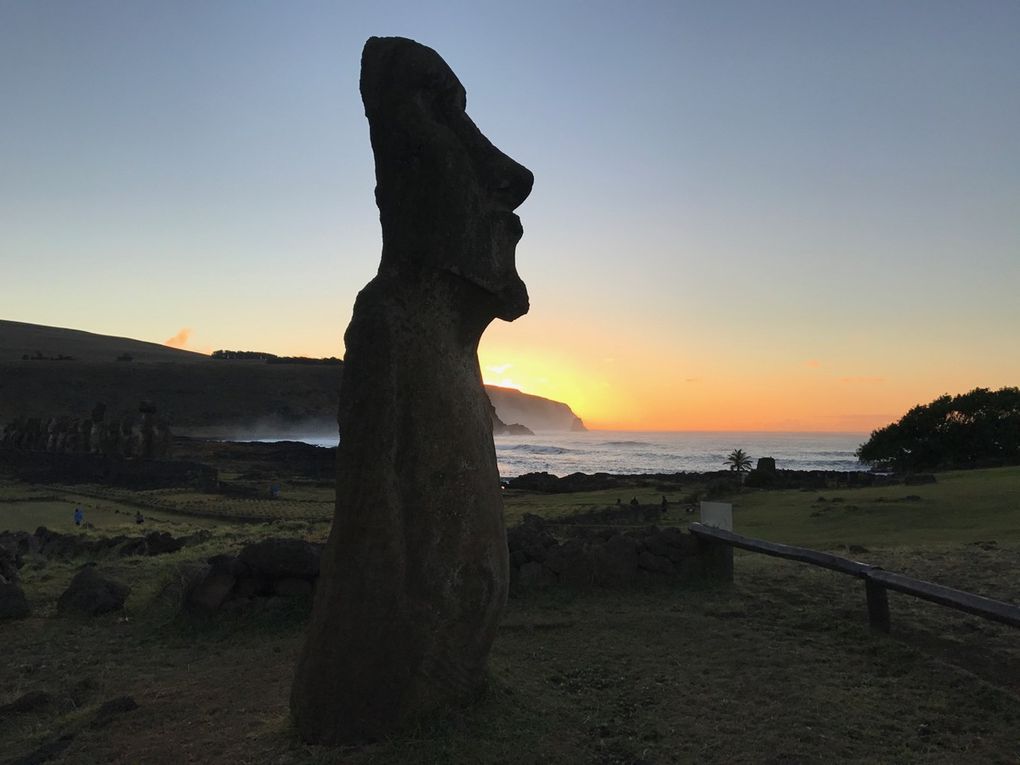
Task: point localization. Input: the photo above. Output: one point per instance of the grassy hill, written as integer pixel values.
(18, 339)
(199, 394)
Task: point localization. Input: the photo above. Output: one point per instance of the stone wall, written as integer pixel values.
(544, 555)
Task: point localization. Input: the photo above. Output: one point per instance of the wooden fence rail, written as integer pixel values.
(877, 581)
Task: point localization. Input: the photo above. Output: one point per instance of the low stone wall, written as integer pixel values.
(813, 480)
(281, 567)
(724, 480)
(16, 546)
(603, 557)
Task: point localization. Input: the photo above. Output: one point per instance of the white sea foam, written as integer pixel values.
(601, 451)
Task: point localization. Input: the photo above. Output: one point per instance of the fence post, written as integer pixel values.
(717, 557)
(878, 605)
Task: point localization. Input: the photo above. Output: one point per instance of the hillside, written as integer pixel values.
(198, 394)
(18, 339)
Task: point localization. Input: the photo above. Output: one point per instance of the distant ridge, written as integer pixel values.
(199, 394)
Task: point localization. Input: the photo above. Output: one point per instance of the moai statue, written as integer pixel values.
(144, 431)
(35, 436)
(161, 440)
(11, 434)
(414, 575)
(50, 439)
(97, 430)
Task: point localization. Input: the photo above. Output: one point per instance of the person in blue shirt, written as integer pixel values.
(79, 516)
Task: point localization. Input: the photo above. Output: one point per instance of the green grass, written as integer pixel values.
(25, 508)
(778, 667)
(962, 507)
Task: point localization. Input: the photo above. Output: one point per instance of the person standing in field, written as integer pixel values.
(79, 516)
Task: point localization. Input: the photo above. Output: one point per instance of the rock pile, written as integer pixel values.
(53, 544)
(284, 567)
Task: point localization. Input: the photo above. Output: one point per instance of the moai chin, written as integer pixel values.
(414, 575)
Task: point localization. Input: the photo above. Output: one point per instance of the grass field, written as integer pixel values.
(962, 507)
(780, 667)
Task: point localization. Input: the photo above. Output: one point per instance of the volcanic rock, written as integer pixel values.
(13, 603)
(90, 594)
(282, 558)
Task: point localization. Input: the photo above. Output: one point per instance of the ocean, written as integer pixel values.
(609, 451)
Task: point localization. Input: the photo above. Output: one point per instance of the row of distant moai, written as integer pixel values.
(143, 437)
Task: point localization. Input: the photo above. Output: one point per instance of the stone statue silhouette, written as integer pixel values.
(414, 575)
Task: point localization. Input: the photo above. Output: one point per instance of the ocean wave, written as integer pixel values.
(623, 443)
(540, 449)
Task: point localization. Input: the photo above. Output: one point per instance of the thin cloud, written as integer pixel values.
(500, 369)
(813, 364)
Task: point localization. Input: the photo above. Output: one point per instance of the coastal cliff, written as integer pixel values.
(534, 412)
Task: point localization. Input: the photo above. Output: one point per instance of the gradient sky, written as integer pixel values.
(746, 215)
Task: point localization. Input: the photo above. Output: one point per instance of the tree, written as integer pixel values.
(981, 427)
(739, 461)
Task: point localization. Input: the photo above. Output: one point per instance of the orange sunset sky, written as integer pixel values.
(746, 216)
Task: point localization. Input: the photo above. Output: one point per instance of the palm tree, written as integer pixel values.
(738, 460)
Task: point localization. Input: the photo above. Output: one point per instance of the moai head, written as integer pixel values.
(446, 195)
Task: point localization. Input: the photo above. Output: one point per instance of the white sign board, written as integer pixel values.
(717, 514)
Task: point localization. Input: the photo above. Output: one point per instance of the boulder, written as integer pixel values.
(90, 594)
(209, 592)
(282, 558)
(13, 603)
